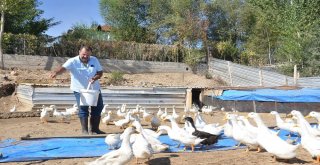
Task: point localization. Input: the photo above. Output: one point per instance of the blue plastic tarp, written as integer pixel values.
(58, 148)
(274, 95)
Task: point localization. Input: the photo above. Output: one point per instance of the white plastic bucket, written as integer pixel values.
(89, 97)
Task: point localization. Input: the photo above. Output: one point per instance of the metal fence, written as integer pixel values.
(245, 76)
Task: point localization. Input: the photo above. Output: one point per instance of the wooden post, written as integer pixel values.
(254, 106)
(230, 75)
(295, 75)
(261, 77)
(189, 98)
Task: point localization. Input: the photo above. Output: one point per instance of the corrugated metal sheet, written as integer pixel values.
(247, 76)
(114, 96)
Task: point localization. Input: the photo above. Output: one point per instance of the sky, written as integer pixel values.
(70, 12)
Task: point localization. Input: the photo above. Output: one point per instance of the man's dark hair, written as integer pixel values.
(87, 48)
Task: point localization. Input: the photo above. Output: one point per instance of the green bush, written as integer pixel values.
(116, 78)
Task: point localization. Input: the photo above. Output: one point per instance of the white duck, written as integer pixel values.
(123, 122)
(289, 126)
(104, 109)
(241, 134)
(308, 141)
(118, 157)
(184, 138)
(121, 112)
(313, 131)
(228, 130)
(13, 109)
(44, 115)
(316, 115)
(141, 147)
(160, 112)
(113, 141)
(73, 110)
(107, 118)
(146, 116)
(199, 122)
(174, 114)
(164, 115)
(271, 142)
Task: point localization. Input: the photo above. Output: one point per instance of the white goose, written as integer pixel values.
(308, 141)
(271, 142)
(118, 157)
(146, 116)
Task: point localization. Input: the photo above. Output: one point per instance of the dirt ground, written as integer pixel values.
(31, 126)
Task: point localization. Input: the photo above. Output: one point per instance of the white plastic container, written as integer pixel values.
(89, 97)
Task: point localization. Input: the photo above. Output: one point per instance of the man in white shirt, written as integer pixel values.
(84, 69)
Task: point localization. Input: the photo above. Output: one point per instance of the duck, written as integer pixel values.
(123, 122)
(201, 125)
(155, 122)
(113, 141)
(121, 112)
(209, 139)
(316, 115)
(199, 122)
(313, 131)
(44, 115)
(120, 156)
(61, 115)
(271, 142)
(107, 118)
(242, 134)
(73, 110)
(141, 148)
(156, 144)
(164, 115)
(186, 139)
(228, 130)
(160, 112)
(13, 109)
(104, 109)
(289, 126)
(146, 116)
(308, 141)
(174, 114)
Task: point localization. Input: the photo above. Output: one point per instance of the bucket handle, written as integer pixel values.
(89, 85)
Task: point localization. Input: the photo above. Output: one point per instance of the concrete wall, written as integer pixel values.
(127, 66)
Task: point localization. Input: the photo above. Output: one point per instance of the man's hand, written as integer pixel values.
(53, 75)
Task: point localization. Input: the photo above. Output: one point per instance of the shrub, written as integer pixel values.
(116, 78)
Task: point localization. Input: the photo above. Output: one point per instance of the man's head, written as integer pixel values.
(85, 53)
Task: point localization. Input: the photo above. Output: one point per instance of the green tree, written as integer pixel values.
(127, 18)
(22, 16)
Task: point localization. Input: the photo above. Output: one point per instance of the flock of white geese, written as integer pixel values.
(142, 143)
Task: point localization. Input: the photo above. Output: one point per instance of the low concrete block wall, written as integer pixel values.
(127, 66)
